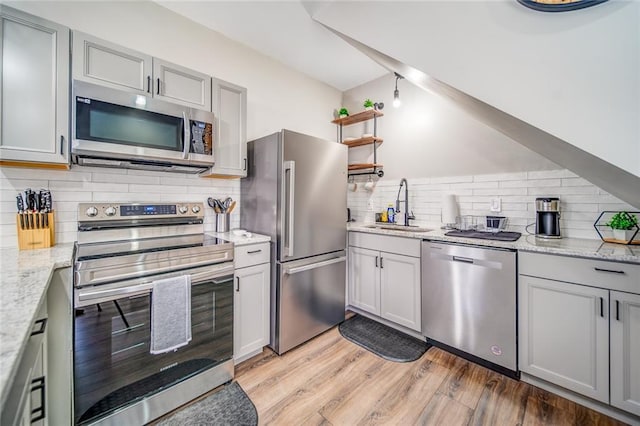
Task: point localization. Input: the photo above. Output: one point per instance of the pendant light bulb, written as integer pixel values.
(396, 92)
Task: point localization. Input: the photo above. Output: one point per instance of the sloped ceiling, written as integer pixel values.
(565, 85)
(615, 180)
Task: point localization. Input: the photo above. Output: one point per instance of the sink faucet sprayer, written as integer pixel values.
(407, 216)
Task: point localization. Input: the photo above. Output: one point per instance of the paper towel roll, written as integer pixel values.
(449, 208)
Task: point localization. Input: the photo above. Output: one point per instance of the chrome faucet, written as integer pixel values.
(407, 216)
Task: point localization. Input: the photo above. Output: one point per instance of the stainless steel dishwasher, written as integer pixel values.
(469, 302)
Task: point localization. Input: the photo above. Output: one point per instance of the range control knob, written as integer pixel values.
(110, 211)
(183, 209)
(195, 209)
(91, 211)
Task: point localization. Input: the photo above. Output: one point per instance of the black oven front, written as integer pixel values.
(113, 366)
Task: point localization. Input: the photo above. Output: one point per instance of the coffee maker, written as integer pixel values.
(548, 217)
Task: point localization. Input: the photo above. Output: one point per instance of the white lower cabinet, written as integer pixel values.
(582, 335)
(364, 279)
(625, 351)
(383, 283)
(564, 335)
(251, 301)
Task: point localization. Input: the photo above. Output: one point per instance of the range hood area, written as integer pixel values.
(592, 168)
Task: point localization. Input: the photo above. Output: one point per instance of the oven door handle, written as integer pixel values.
(118, 293)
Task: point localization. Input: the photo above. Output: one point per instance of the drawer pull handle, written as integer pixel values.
(612, 271)
(381, 266)
(617, 310)
(38, 384)
(376, 261)
(237, 283)
(43, 326)
(254, 251)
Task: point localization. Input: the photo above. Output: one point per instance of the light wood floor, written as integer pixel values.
(331, 381)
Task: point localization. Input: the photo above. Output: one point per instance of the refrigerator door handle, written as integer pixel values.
(291, 167)
(291, 271)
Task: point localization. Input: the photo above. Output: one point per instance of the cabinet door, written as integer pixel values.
(230, 144)
(251, 310)
(564, 335)
(34, 125)
(625, 351)
(181, 85)
(400, 290)
(364, 279)
(108, 64)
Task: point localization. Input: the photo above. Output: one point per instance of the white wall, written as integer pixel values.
(278, 97)
(427, 136)
(581, 202)
(575, 74)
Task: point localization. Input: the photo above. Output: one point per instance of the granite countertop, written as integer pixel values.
(23, 284)
(243, 239)
(575, 247)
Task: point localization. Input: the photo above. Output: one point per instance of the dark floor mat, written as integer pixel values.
(382, 340)
(229, 406)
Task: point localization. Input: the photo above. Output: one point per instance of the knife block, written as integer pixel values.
(32, 234)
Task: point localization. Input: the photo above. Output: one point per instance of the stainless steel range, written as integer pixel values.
(123, 252)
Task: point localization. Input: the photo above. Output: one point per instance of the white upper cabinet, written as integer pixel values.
(34, 124)
(100, 62)
(108, 64)
(230, 146)
(181, 85)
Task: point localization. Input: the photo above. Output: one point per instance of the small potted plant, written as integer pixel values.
(622, 224)
(368, 104)
(343, 113)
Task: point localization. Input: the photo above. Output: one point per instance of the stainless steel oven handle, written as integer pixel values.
(117, 293)
(291, 271)
(187, 135)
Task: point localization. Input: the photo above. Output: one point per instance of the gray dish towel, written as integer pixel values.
(170, 314)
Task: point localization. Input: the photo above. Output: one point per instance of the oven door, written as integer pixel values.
(114, 124)
(113, 366)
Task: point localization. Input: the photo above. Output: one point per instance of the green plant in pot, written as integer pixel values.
(368, 104)
(343, 112)
(622, 224)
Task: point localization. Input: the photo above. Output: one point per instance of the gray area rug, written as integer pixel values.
(384, 341)
(229, 406)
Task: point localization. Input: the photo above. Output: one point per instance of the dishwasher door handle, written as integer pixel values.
(462, 259)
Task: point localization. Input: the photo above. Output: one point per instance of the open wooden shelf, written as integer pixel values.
(362, 141)
(358, 117)
(363, 166)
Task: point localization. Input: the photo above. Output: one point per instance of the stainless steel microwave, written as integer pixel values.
(114, 128)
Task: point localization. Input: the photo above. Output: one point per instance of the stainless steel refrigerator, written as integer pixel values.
(295, 192)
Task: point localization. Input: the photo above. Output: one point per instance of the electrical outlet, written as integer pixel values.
(370, 205)
(496, 205)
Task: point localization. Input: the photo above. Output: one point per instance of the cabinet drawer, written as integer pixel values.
(250, 255)
(386, 243)
(598, 273)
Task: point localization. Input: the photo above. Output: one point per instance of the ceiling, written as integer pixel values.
(284, 31)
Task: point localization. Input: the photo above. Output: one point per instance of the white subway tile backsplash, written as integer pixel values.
(581, 202)
(86, 184)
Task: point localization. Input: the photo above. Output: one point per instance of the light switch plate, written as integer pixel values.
(496, 205)
(370, 205)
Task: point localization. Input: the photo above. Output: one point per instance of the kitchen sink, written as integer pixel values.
(410, 228)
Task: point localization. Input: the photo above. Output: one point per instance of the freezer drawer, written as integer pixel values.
(312, 298)
(469, 300)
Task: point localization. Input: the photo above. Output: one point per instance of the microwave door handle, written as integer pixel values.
(186, 135)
